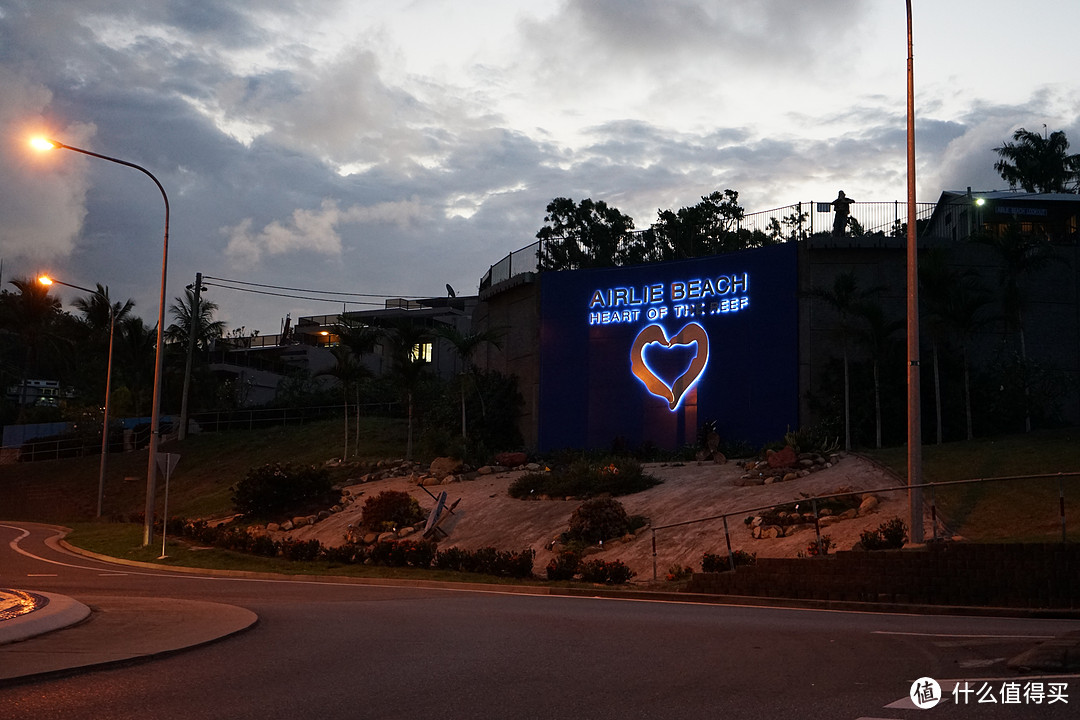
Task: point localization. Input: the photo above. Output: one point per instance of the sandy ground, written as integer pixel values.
(487, 516)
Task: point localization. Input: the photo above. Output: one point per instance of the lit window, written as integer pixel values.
(421, 352)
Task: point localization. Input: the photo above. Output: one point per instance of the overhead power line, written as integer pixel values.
(306, 290)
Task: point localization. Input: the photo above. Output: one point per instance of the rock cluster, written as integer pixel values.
(783, 466)
(786, 524)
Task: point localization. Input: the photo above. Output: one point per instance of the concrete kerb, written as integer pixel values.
(60, 612)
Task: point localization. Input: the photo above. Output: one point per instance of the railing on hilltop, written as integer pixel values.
(781, 224)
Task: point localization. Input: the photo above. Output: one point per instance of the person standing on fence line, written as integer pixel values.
(842, 206)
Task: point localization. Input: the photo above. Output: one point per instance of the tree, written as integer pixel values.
(206, 328)
(409, 369)
(360, 340)
(875, 336)
(99, 311)
(466, 345)
(32, 316)
(708, 228)
(845, 298)
(953, 303)
(585, 234)
(1020, 254)
(348, 370)
(1039, 164)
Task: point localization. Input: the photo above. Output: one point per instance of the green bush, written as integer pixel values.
(393, 508)
(890, 535)
(563, 566)
(714, 562)
(597, 520)
(612, 572)
(585, 478)
(487, 561)
(277, 488)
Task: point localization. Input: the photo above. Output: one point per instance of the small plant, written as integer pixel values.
(599, 519)
(677, 572)
(819, 547)
(890, 535)
(391, 509)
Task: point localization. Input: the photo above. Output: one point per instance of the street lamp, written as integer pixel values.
(914, 433)
(46, 280)
(155, 415)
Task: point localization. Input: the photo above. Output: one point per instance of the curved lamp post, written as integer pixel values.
(155, 415)
(45, 280)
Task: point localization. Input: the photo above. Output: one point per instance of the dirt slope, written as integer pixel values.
(487, 516)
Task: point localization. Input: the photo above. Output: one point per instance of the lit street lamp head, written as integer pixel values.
(40, 143)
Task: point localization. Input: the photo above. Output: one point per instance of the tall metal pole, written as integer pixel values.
(193, 326)
(914, 435)
(155, 415)
(108, 383)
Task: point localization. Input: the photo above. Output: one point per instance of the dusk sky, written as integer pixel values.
(390, 148)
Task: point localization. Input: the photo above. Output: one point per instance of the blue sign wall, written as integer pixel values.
(648, 353)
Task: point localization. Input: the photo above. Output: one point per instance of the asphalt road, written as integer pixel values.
(343, 650)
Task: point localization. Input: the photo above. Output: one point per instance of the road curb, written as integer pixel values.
(60, 612)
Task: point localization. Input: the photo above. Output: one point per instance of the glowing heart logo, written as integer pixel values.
(689, 335)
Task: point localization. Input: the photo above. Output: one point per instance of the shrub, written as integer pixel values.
(391, 507)
(714, 562)
(487, 561)
(277, 488)
(819, 547)
(585, 478)
(599, 519)
(564, 566)
(677, 572)
(612, 572)
(890, 535)
(300, 550)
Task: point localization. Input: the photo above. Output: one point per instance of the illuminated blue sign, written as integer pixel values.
(644, 354)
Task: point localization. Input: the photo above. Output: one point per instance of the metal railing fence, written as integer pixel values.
(782, 224)
(931, 504)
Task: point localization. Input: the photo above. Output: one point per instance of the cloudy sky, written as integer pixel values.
(390, 148)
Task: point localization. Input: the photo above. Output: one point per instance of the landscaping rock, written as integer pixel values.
(511, 459)
(782, 458)
(868, 505)
(443, 466)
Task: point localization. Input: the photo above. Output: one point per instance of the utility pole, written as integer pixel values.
(193, 323)
(914, 435)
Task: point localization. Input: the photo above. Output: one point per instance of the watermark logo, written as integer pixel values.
(925, 693)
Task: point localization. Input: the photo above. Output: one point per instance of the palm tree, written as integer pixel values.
(134, 362)
(206, 328)
(359, 340)
(1020, 254)
(98, 310)
(875, 336)
(347, 369)
(845, 297)
(954, 302)
(1037, 163)
(409, 369)
(31, 316)
(465, 346)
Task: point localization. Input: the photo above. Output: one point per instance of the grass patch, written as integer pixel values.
(65, 491)
(1005, 511)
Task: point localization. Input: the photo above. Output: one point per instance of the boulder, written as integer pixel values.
(782, 458)
(272, 527)
(485, 470)
(286, 526)
(849, 514)
(371, 538)
(771, 531)
(719, 458)
(386, 537)
(511, 459)
(405, 531)
(443, 466)
(868, 505)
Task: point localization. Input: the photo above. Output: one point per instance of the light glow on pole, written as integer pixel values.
(41, 143)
